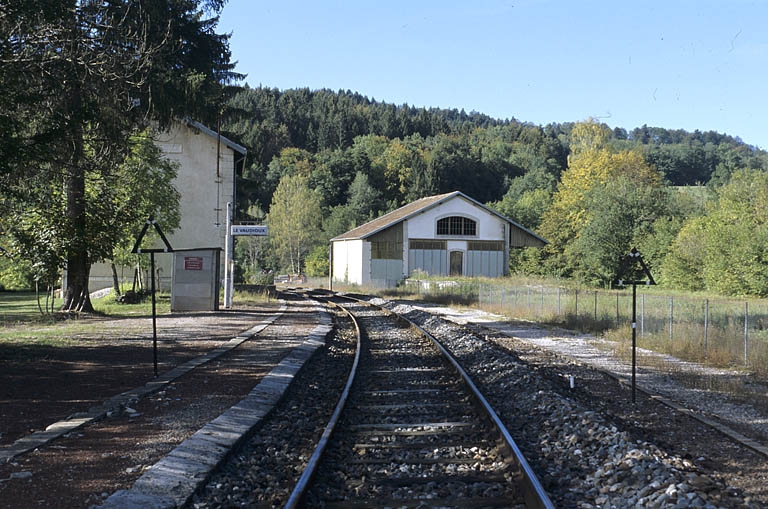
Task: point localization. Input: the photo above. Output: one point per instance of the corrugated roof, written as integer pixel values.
(381, 223)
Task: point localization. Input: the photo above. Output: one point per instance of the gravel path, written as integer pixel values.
(84, 467)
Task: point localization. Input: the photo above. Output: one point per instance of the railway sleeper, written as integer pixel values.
(417, 461)
(429, 427)
(442, 391)
(460, 503)
(462, 444)
(394, 407)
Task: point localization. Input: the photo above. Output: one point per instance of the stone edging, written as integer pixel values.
(116, 403)
(172, 481)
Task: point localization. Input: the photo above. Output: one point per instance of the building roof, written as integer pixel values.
(407, 211)
(210, 132)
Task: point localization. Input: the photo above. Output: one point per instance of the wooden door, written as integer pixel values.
(456, 263)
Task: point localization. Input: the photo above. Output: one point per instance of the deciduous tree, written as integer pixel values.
(294, 220)
(726, 250)
(579, 204)
(82, 78)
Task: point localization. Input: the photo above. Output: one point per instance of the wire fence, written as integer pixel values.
(725, 332)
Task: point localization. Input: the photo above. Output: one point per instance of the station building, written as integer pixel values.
(447, 235)
(206, 181)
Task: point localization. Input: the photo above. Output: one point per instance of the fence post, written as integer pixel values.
(617, 308)
(541, 310)
(671, 315)
(746, 331)
(595, 306)
(642, 315)
(529, 298)
(558, 301)
(706, 325)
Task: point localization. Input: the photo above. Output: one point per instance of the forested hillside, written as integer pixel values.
(591, 190)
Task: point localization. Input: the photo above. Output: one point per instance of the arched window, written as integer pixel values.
(456, 225)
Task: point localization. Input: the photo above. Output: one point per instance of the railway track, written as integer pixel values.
(580, 457)
(408, 436)
(414, 432)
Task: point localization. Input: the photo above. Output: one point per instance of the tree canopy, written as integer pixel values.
(594, 192)
(81, 78)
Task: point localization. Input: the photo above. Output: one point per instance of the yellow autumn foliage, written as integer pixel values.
(592, 164)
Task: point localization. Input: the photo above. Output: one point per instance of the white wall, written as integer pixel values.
(424, 226)
(202, 193)
(348, 261)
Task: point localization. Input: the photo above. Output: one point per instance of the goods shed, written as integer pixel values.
(448, 235)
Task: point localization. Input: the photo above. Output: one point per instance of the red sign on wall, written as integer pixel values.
(193, 263)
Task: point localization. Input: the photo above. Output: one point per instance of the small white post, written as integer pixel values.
(227, 259)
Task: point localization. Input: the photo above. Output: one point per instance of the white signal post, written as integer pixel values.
(228, 259)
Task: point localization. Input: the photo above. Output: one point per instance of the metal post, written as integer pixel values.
(634, 338)
(330, 267)
(595, 306)
(154, 311)
(746, 332)
(558, 301)
(642, 316)
(706, 324)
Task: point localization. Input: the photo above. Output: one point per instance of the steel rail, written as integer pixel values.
(309, 471)
(537, 496)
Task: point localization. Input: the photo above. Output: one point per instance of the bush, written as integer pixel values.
(317, 262)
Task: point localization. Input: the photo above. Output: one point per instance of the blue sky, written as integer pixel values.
(679, 64)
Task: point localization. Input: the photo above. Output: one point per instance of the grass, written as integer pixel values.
(19, 307)
(251, 298)
(22, 321)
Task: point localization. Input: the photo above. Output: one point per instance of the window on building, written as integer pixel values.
(456, 225)
(427, 244)
(485, 245)
(385, 250)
